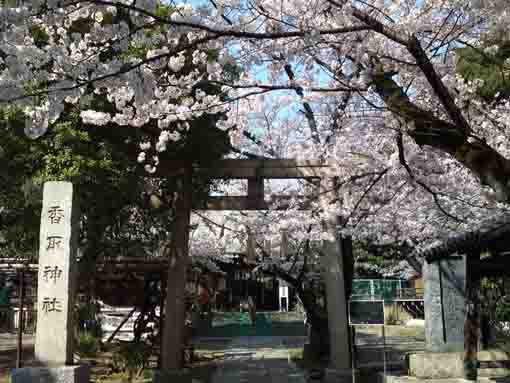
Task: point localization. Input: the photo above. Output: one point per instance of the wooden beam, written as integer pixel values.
(246, 203)
(256, 189)
(246, 169)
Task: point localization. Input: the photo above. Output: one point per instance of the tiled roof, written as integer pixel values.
(492, 234)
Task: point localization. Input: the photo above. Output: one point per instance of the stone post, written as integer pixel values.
(56, 289)
(445, 304)
(451, 321)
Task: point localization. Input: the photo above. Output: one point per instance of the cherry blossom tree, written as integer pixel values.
(362, 69)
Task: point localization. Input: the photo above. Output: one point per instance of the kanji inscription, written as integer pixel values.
(54, 242)
(52, 273)
(55, 214)
(51, 304)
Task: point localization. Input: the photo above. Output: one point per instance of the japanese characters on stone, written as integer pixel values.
(53, 273)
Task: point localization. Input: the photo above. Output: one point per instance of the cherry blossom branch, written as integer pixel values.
(222, 226)
(377, 26)
(286, 87)
(250, 155)
(222, 14)
(403, 162)
(259, 143)
(414, 47)
(443, 24)
(308, 111)
(375, 180)
(377, 10)
(221, 32)
(125, 69)
(386, 202)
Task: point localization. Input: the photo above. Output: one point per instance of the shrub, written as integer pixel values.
(132, 358)
(88, 344)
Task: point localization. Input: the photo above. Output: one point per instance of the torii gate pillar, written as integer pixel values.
(173, 324)
(334, 279)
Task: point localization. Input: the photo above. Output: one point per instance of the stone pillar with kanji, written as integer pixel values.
(57, 275)
(56, 289)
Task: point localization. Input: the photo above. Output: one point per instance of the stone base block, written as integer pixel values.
(402, 378)
(63, 374)
(436, 365)
(430, 365)
(340, 376)
(172, 376)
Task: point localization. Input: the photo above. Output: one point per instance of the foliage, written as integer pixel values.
(115, 195)
(132, 359)
(495, 300)
(489, 64)
(88, 319)
(503, 310)
(88, 344)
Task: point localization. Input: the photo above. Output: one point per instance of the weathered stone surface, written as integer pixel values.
(445, 304)
(493, 355)
(403, 378)
(64, 374)
(337, 308)
(339, 376)
(436, 365)
(173, 376)
(432, 365)
(57, 275)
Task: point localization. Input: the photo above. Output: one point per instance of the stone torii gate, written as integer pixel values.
(255, 172)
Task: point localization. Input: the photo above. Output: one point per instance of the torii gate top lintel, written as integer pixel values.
(267, 169)
(253, 169)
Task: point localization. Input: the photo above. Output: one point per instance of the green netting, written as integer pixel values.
(386, 289)
(4, 298)
(239, 324)
(361, 287)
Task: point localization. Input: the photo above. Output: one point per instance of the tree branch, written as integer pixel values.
(403, 162)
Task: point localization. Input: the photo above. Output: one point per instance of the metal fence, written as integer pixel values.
(397, 294)
(10, 319)
(21, 293)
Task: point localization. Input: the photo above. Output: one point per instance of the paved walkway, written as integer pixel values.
(8, 341)
(258, 360)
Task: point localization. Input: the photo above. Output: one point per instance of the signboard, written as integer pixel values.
(366, 312)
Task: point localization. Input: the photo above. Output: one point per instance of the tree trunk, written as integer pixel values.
(319, 337)
(471, 325)
(348, 263)
(485, 162)
(317, 319)
(173, 328)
